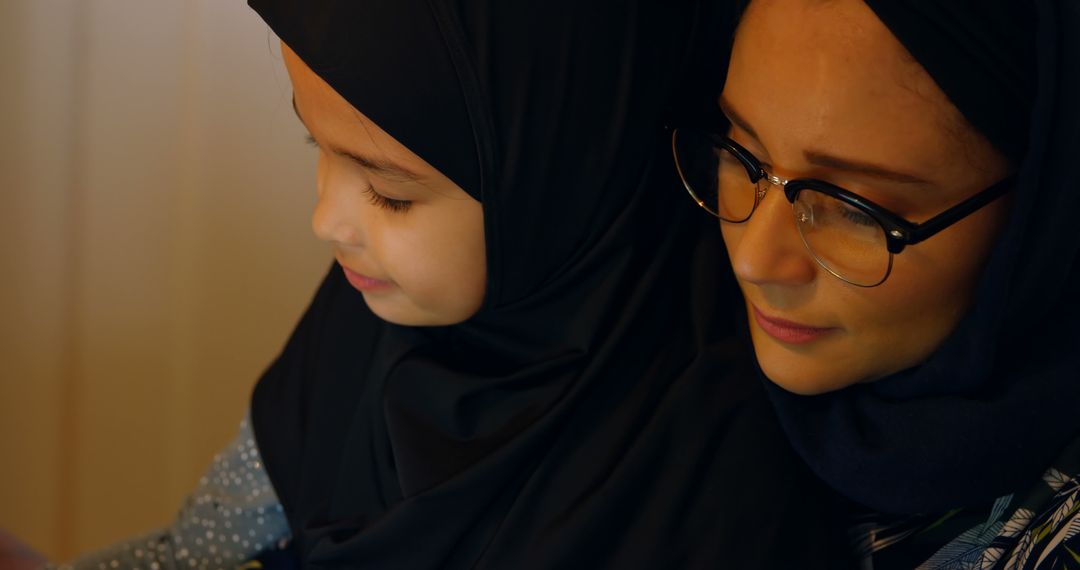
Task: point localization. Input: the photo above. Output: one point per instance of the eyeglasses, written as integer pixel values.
(849, 236)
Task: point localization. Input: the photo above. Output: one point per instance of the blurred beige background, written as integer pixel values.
(155, 194)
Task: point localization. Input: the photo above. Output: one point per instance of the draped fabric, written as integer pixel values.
(1031, 528)
(595, 413)
(982, 55)
(1006, 383)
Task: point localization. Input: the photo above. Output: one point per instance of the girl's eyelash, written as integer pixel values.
(374, 197)
(387, 203)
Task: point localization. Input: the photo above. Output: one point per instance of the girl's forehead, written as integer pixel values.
(348, 132)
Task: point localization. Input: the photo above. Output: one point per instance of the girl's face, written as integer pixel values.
(823, 90)
(409, 239)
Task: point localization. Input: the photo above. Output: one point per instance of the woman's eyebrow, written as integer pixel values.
(827, 160)
(384, 168)
(735, 118)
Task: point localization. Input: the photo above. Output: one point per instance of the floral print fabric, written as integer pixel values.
(1037, 529)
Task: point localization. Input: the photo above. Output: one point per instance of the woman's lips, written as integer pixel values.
(364, 283)
(788, 331)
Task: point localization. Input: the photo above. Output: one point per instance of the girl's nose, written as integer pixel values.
(769, 249)
(338, 213)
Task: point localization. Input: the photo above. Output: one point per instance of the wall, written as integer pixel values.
(155, 250)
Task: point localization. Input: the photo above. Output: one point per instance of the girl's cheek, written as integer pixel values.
(321, 173)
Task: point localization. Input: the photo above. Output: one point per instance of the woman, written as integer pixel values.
(502, 370)
(891, 183)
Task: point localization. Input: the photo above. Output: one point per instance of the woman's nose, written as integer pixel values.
(769, 249)
(338, 213)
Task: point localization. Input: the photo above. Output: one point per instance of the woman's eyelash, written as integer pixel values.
(311, 141)
(387, 203)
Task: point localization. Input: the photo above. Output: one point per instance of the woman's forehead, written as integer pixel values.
(837, 50)
(831, 74)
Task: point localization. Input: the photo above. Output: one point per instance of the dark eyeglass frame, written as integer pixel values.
(899, 232)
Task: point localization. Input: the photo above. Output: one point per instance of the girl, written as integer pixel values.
(891, 184)
(502, 370)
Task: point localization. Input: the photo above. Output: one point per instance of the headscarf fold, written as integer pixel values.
(982, 54)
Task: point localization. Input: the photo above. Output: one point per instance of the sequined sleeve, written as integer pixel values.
(231, 516)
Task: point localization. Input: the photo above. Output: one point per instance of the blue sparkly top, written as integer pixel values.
(232, 516)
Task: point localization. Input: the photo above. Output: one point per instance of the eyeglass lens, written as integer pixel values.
(843, 238)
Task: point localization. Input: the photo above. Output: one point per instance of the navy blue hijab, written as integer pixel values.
(993, 406)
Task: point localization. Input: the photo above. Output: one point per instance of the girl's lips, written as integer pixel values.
(363, 282)
(788, 331)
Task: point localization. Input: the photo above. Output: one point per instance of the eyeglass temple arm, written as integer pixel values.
(915, 233)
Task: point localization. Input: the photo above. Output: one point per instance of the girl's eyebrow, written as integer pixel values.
(827, 160)
(384, 168)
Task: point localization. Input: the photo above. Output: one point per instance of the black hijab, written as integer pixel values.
(588, 416)
(992, 408)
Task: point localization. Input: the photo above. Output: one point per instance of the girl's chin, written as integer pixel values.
(399, 311)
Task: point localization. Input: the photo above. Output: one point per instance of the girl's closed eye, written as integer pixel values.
(376, 199)
(391, 204)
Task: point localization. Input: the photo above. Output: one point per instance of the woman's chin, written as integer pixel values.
(801, 386)
(802, 374)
